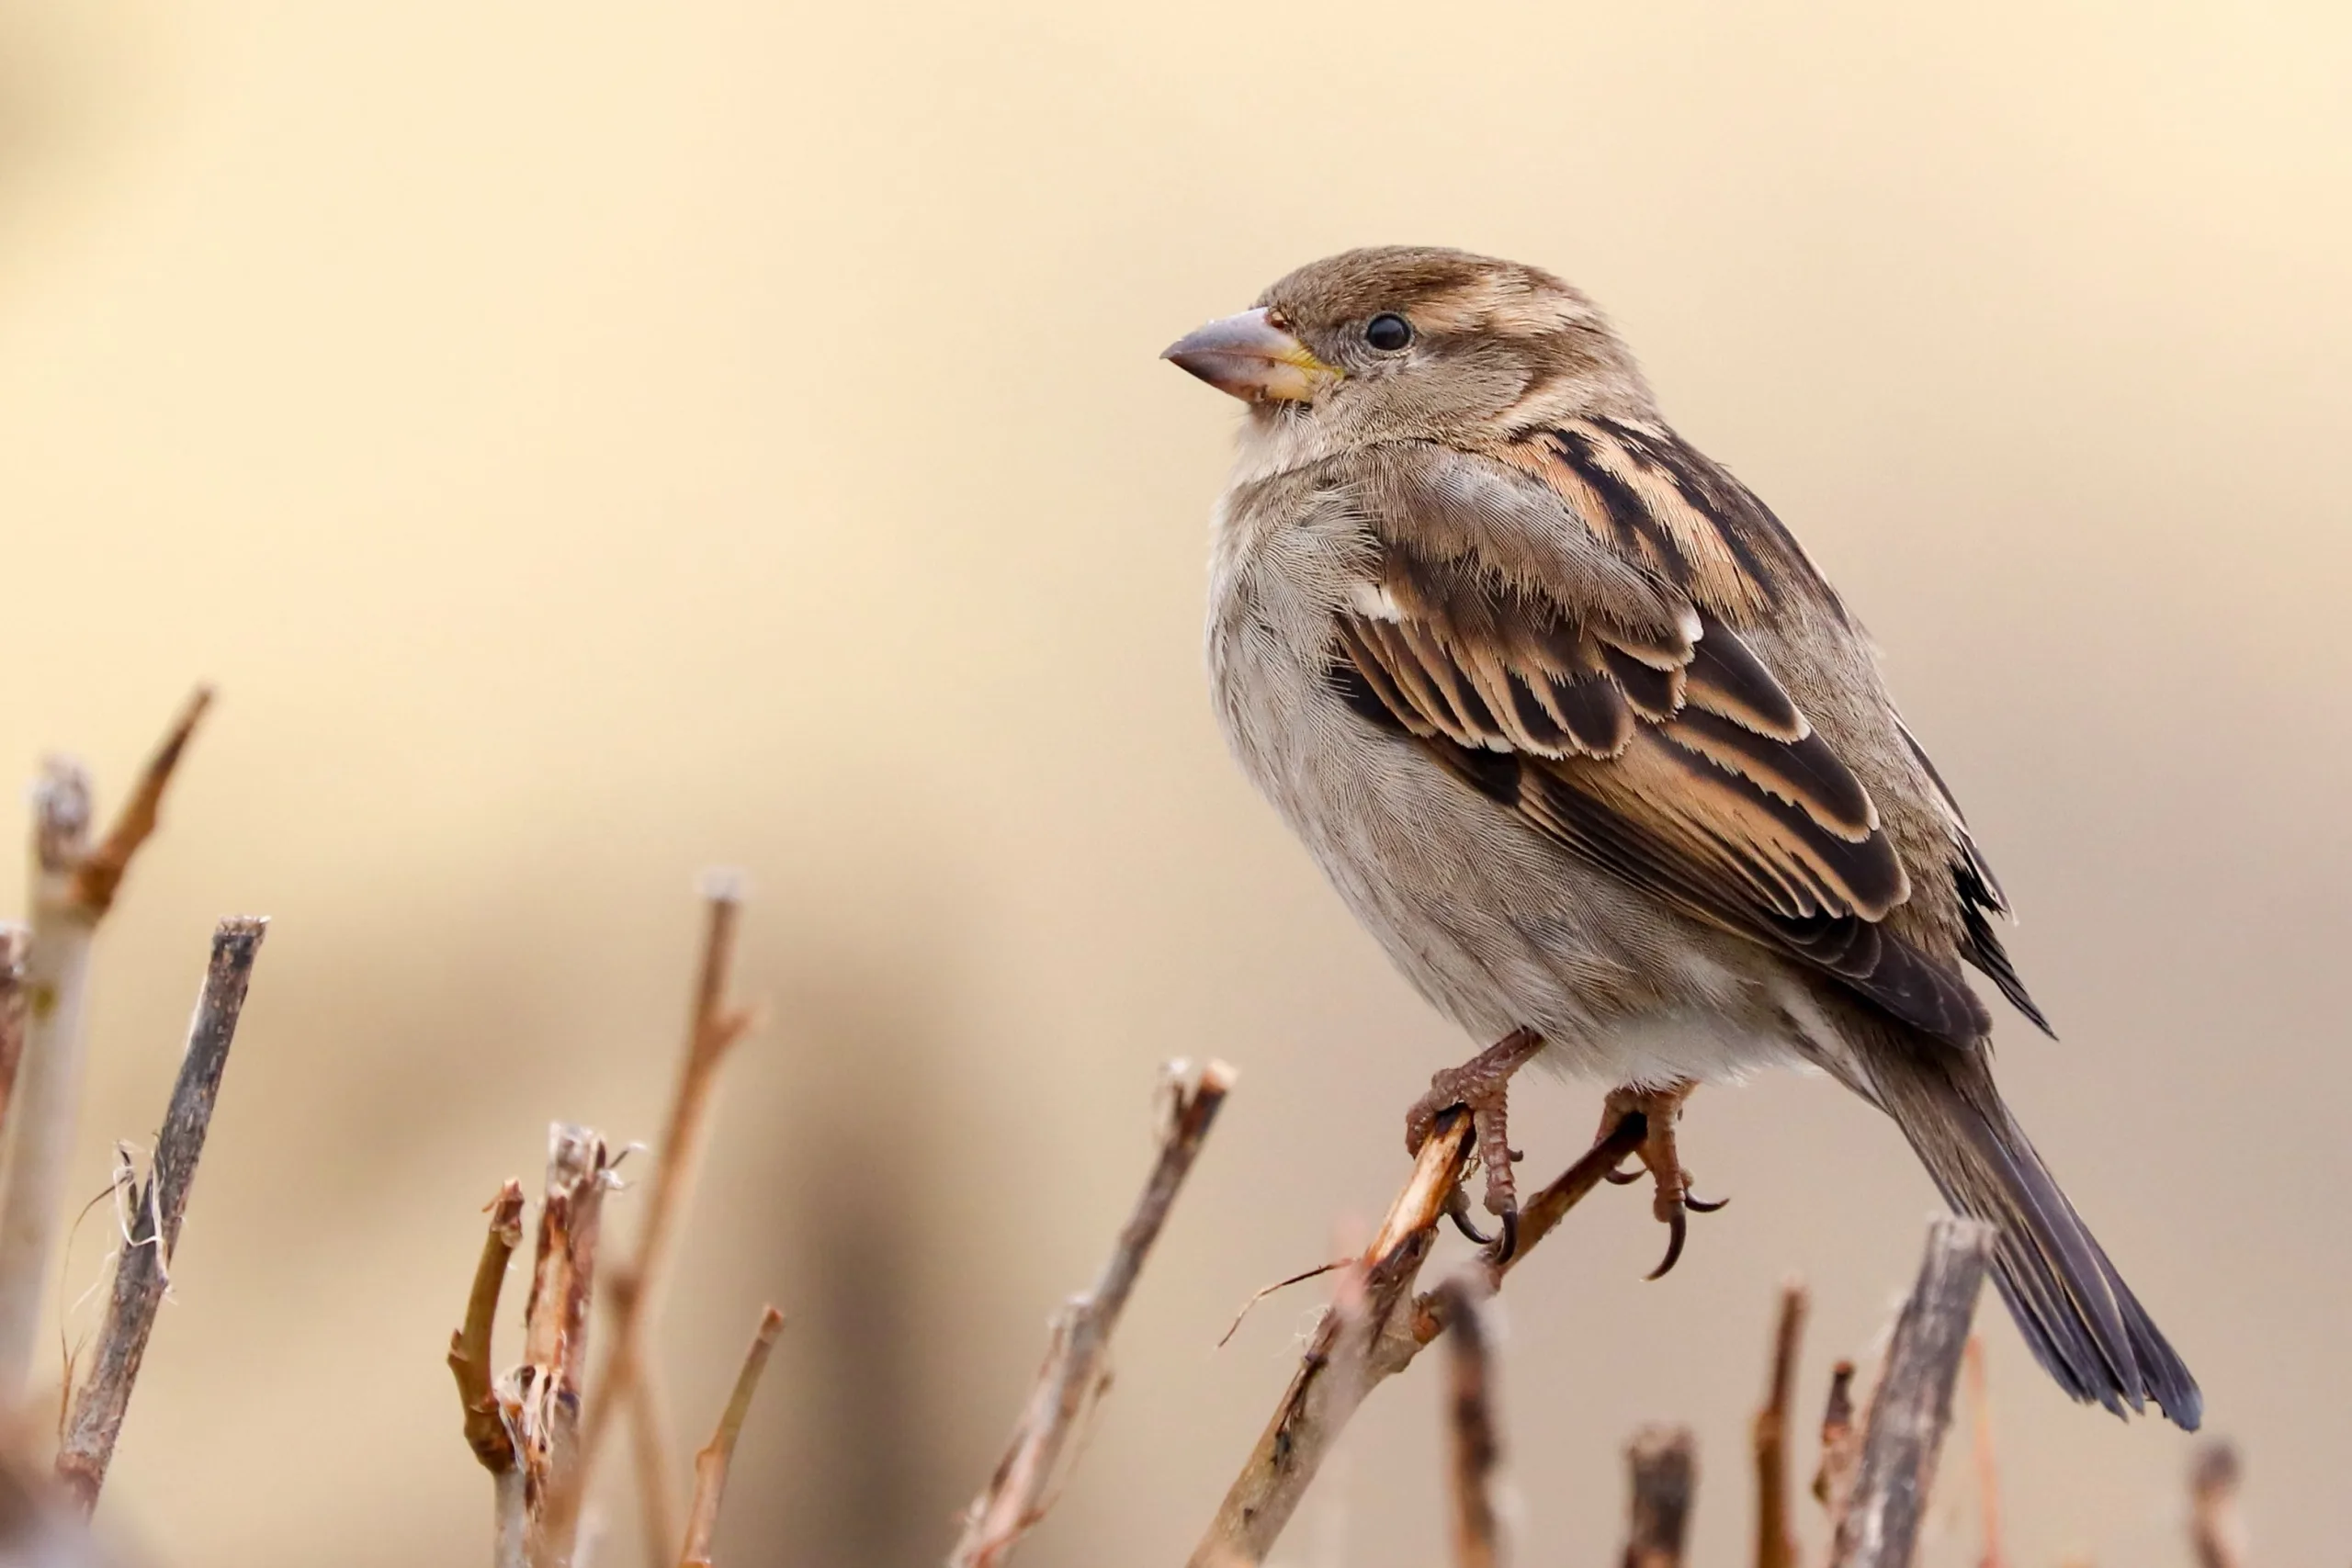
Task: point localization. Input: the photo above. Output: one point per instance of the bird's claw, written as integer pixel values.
(1662, 1162)
(1479, 1089)
(1678, 1229)
(1457, 1209)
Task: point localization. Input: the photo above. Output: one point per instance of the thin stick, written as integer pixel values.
(1076, 1365)
(99, 876)
(544, 1392)
(158, 1207)
(711, 1463)
(511, 1518)
(2216, 1534)
(1476, 1449)
(714, 1026)
(1912, 1406)
(469, 1347)
(1776, 1544)
(74, 886)
(1841, 1446)
(14, 1005)
(1988, 1478)
(49, 1084)
(1664, 1469)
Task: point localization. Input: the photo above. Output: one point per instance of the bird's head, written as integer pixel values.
(1405, 343)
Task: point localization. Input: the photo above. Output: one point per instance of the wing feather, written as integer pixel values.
(1622, 715)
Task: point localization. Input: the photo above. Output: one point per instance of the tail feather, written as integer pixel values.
(2082, 1322)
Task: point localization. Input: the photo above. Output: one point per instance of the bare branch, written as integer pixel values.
(1776, 1544)
(1663, 1462)
(1988, 1478)
(74, 886)
(15, 1003)
(1476, 1447)
(158, 1207)
(1076, 1364)
(97, 876)
(49, 1084)
(1912, 1406)
(1315, 1407)
(711, 1464)
(469, 1347)
(542, 1396)
(714, 1026)
(2215, 1532)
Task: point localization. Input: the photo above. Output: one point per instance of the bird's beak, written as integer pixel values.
(1250, 357)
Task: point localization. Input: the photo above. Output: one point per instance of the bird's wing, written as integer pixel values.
(1564, 646)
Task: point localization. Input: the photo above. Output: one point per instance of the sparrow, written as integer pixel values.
(1576, 727)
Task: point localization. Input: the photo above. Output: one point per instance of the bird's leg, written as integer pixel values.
(1660, 1110)
(1480, 1086)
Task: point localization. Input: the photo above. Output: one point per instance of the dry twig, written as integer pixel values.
(158, 1207)
(1315, 1407)
(1841, 1446)
(1076, 1365)
(74, 886)
(1477, 1448)
(1776, 1544)
(541, 1397)
(1664, 1466)
(712, 1461)
(1912, 1406)
(14, 1005)
(2215, 1532)
(1988, 1478)
(470, 1346)
(714, 1026)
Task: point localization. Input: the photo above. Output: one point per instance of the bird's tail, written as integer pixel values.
(2083, 1323)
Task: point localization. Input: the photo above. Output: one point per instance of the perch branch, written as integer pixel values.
(1912, 1406)
(1477, 1448)
(713, 1028)
(1775, 1536)
(544, 1390)
(469, 1347)
(74, 886)
(1315, 1408)
(712, 1461)
(1076, 1365)
(2215, 1532)
(142, 1271)
(1664, 1467)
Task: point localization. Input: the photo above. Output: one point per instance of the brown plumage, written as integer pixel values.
(1585, 739)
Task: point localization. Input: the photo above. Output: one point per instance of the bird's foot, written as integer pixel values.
(1481, 1086)
(1660, 1110)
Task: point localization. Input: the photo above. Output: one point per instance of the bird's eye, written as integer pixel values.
(1388, 333)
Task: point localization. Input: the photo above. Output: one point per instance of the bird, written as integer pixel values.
(1583, 737)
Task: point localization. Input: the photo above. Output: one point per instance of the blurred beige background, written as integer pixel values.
(590, 442)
